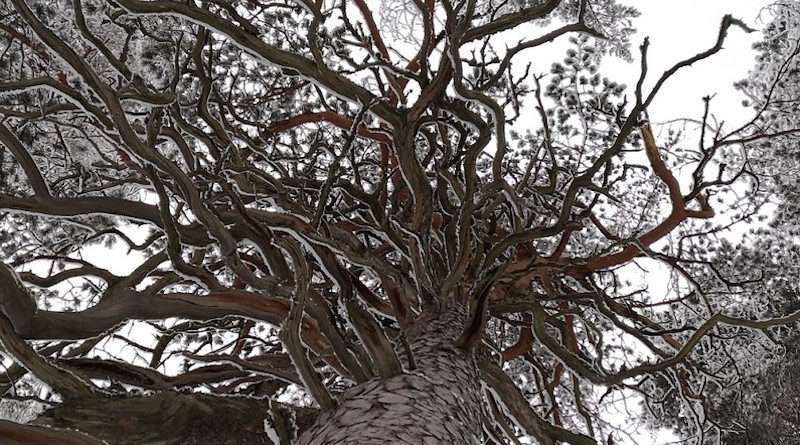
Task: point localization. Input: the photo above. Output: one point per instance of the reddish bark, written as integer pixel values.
(322, 116)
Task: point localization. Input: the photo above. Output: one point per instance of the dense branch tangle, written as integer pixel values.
(312, 193)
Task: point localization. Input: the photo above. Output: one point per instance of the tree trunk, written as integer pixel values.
(439, 402)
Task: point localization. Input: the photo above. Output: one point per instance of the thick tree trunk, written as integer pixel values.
(437, 403)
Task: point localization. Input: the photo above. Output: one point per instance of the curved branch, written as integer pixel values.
(21, 434)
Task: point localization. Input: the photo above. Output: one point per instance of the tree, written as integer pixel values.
(344, 238)
(760, 404)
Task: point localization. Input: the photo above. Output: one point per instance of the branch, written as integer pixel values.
(254, 45)
(290, 332)
(374, 339)
(24, 158)
(323, 116)
(511, 20)
(727, 21)
(510, 397)
(62, 381)
(678, 214)
(20, 434)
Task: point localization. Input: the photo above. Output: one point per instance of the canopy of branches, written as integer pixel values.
(292, 185)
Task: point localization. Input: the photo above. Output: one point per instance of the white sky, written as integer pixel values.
(682, 28)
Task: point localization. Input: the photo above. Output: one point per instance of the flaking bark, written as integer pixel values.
(439, 402)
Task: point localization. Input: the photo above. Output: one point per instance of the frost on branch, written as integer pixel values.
(358, 224)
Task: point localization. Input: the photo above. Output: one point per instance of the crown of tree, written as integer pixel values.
(375, 222)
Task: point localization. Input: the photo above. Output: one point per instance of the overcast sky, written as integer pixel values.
(682, 28)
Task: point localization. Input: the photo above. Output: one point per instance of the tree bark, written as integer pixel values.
(438, 402)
